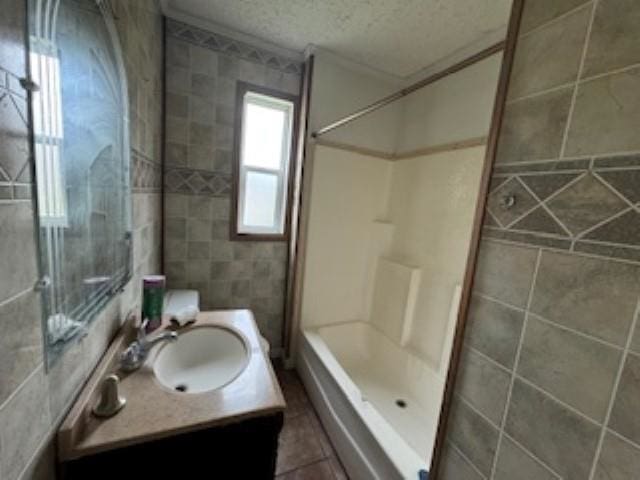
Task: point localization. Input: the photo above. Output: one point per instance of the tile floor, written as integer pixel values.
(305, 452)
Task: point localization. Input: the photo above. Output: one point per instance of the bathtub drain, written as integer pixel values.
(401, 403)
(180, 388)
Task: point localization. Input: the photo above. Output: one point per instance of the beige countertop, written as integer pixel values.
(153, 411)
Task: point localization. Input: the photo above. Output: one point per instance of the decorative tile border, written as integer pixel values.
(15, 178)
(15, 191)
(230, 46)
(10, 83)
(586, 205)
(146, 174)
(197, 182)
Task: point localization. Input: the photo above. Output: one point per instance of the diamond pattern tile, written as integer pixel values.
(14, 131)
(197, 182)
(221, 43)
(540, 221)
(624, 229)
(15, 167)
(490, 221)
(220, 185)
(173, 180)
(591, 205)
(6, 192)
(585, 204)
(627, 182)
(4, 176)
(513, 189)
(546, 185)
(25, 175)
(496, 182)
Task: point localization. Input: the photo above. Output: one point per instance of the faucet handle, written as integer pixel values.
(142, 329)
(131, 357)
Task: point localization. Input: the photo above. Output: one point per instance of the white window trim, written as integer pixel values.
(282, 172)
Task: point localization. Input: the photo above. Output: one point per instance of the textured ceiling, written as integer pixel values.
(399, 37)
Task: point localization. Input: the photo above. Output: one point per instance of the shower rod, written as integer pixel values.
(467, 62)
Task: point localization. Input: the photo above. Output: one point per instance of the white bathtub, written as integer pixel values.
(355, 375)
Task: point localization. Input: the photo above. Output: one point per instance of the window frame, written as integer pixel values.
(242, 88)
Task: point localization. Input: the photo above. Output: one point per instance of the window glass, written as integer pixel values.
(261, 195)
(265, 128)
(265, 151)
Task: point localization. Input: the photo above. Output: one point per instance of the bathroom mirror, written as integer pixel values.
(81, 151)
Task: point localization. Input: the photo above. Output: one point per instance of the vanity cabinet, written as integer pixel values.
(227, 432)
(237, 451)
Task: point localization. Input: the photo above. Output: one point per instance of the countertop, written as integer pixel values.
(153, 412)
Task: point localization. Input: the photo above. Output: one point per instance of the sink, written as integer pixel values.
(201, 359)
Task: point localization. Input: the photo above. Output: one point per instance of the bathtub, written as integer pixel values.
(378, 402)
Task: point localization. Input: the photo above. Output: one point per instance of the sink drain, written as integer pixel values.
(401, 403)
(180, 388)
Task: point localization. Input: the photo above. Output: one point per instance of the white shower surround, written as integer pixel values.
(355, 375)
(357, 350)
(385, 258)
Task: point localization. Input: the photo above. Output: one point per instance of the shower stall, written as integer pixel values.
(389, 203)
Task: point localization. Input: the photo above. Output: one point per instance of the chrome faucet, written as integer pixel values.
(136, 353)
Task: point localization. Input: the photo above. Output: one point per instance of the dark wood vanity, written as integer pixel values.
(240, 450)
(227, 433)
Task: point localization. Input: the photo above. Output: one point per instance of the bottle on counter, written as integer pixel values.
(153, 287)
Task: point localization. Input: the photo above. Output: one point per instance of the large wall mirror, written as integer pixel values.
(81, 150)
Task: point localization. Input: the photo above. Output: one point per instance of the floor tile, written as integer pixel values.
(305, 451)
(316, 471)
(338, 469)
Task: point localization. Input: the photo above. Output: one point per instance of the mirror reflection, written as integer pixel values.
(80, 135)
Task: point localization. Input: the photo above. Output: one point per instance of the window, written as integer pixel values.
(48, 135)
(264, 146)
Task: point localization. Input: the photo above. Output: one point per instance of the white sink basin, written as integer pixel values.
(201, 359)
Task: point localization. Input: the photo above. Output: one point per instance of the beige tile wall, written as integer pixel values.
(201, 74)
(33, 400)
(549, 382)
